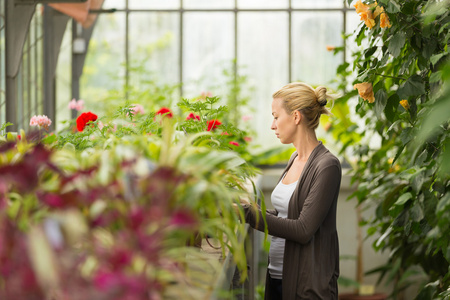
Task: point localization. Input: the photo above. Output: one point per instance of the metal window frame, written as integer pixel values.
(236, 10)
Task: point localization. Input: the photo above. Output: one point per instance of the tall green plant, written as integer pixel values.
(401, 162)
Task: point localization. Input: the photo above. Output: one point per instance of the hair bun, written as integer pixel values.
(321, 95)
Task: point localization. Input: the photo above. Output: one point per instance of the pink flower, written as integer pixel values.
(213, 124)
(137, 109)
(247, 139)
(165, 112)
(246, 118)
(234, 143)
(41, 121)
(206, 94)
(77, 105)
(100, 125)
(193, 117)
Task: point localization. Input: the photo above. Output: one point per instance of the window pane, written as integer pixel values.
(318, 4)
(159, 4)
(104, 69)
(312, 32)
(263, 57)
(154, 47)
(205, 4)
(119, 4)
(258, 4)
(63, 79)
(208, 47)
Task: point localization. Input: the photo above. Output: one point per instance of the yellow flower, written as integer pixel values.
(365, 91)
(365, 12)
(359, 6)
(378, 10)
(370, 23)
(394, 169)
(384, 21)
(405, 104)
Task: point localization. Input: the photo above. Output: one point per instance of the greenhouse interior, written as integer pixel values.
(146, 147)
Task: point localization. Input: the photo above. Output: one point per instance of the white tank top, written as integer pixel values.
(280, 201)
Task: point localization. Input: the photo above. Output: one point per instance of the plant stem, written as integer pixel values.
(388, 76)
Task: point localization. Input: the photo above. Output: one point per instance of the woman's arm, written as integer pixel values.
(315, 209)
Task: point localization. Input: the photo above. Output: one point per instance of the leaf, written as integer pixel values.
(435, 58)
(380, 103)
(429, 48)
(406, 135)
(418, 181)
(412, 87)
(436, 76)
(393, 7)
(416, 212)
(397, 155)
(396, 43)
(383, 237)
(390, 108)
(368, 52)
(403, 198)
(443, 203)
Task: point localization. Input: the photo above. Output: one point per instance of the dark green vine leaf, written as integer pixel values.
(396, 44)
(380, 102)
(412, 87)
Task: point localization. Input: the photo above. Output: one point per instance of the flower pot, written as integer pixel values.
(353, 296)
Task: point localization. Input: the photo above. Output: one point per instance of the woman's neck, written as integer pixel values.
(305, 144)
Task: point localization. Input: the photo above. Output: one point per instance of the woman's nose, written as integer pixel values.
(273, 126)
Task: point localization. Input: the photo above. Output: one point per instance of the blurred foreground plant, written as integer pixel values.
(114, 222)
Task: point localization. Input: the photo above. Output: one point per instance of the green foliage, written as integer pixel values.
(405, 176)
(105, 178)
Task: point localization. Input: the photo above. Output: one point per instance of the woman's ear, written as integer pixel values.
(297, 117)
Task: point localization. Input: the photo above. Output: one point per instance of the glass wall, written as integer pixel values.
(201, 43)
(29, 83)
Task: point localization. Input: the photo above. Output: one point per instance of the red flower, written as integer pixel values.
(165, 112)
(192, 116)
(213, 124)
(85, 118)
(19, 137)
(234, 143)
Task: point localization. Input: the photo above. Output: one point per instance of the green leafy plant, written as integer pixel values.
(400, 148)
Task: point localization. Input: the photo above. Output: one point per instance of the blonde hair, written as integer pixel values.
(308, 101)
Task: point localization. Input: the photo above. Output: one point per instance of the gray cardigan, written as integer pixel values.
(311, 257)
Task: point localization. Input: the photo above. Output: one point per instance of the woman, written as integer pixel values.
(304, 252)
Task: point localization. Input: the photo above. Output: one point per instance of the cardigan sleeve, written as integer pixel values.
(316, 207)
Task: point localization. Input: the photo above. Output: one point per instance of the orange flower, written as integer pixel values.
(365, 91)
(405, 104)
(359, 6)
(327, 126)
(384, 21)
(330, 48)
(378, 10)
(365, 13)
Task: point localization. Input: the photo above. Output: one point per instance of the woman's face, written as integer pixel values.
(283, 124)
